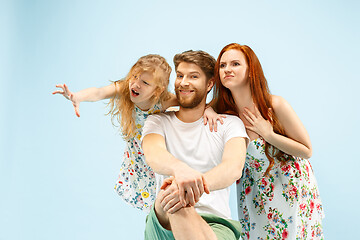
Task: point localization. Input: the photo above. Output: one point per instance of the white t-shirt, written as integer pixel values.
(202, 150)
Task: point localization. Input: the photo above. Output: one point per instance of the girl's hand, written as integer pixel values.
(70, 96)
(258, 125)
(212, 117)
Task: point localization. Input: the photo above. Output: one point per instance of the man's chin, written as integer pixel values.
(189, 103)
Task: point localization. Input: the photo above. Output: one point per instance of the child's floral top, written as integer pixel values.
(136, 181)
(283, 205)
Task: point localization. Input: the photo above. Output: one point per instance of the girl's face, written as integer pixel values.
(233, 69)
(142, 88)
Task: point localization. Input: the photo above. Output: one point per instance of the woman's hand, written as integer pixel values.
(211, 117)
(258, 124)
(70, 96)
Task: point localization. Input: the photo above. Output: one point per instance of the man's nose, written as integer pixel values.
(184, 81)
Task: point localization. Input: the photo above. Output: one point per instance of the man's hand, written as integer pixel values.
(169, 196)
(191, 185)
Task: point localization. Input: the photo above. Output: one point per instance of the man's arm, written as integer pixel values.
(230, 169)
(221, 176)
(162, 162)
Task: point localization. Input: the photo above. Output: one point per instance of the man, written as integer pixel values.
(178, 144)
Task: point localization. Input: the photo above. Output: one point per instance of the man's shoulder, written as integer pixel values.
(233, 120)
(160, 116)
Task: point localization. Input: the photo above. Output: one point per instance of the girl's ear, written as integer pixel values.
(158, 91)
(162, 89)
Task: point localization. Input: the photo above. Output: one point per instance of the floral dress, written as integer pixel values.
(136, 181)
(283, 205)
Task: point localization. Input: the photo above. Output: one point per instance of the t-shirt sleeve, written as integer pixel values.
(235, 128)
(153, 125)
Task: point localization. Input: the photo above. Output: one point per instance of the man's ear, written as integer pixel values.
(210, 84)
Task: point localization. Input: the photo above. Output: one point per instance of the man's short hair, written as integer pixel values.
(202, 59)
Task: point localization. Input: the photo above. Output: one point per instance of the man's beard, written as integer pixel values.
(190, 102)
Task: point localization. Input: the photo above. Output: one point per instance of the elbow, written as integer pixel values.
(147, 154)
(149, 160)
(308, 153)
(237, 173)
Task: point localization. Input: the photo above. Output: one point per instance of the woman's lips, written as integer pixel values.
(228, 76)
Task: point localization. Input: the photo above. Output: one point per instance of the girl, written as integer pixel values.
(278, 197)
(132, 100)
(141, 93)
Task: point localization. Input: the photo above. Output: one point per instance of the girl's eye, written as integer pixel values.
(236, 64)
(179, 76)
(146, 83)
(194, 76)
(222, 65)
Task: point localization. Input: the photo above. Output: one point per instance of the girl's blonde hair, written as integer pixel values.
(121, 106)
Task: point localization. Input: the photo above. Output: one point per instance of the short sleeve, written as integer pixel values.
(153, 124)
(234, 128)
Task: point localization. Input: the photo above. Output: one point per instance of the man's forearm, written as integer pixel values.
(222, 176)
(161, 161)
(230, 169)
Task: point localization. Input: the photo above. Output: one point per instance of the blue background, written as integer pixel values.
(57, 171)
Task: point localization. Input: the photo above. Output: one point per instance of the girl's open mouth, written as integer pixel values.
(134, 93)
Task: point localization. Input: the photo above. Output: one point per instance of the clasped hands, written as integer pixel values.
(177, 193)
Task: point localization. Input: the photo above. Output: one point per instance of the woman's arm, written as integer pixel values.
(298, 141)
(87, 95)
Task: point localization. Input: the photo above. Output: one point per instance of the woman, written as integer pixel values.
(278, 196)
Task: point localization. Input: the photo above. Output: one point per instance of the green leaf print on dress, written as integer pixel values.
(285, 204)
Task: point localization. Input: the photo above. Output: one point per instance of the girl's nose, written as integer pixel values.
(136, 83)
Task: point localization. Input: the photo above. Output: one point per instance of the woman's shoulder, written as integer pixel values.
(279, 103)
(277, 100)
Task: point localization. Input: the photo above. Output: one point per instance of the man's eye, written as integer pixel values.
(179, 76)
(194, 76)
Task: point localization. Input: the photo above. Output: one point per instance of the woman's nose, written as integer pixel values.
(227, 69)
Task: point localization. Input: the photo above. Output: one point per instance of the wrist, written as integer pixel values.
(269, 137)
(178, 167)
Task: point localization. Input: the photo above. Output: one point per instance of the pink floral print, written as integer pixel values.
(285, 204)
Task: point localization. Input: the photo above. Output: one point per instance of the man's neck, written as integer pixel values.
(189, 115)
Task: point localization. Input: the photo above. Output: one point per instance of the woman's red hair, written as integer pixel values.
(224, 101)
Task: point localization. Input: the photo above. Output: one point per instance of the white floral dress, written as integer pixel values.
(283, 205)
(136, 181)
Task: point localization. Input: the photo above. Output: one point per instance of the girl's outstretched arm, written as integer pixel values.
(298, 141)
(87, 95)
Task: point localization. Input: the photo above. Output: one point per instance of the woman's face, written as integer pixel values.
(233, 69)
